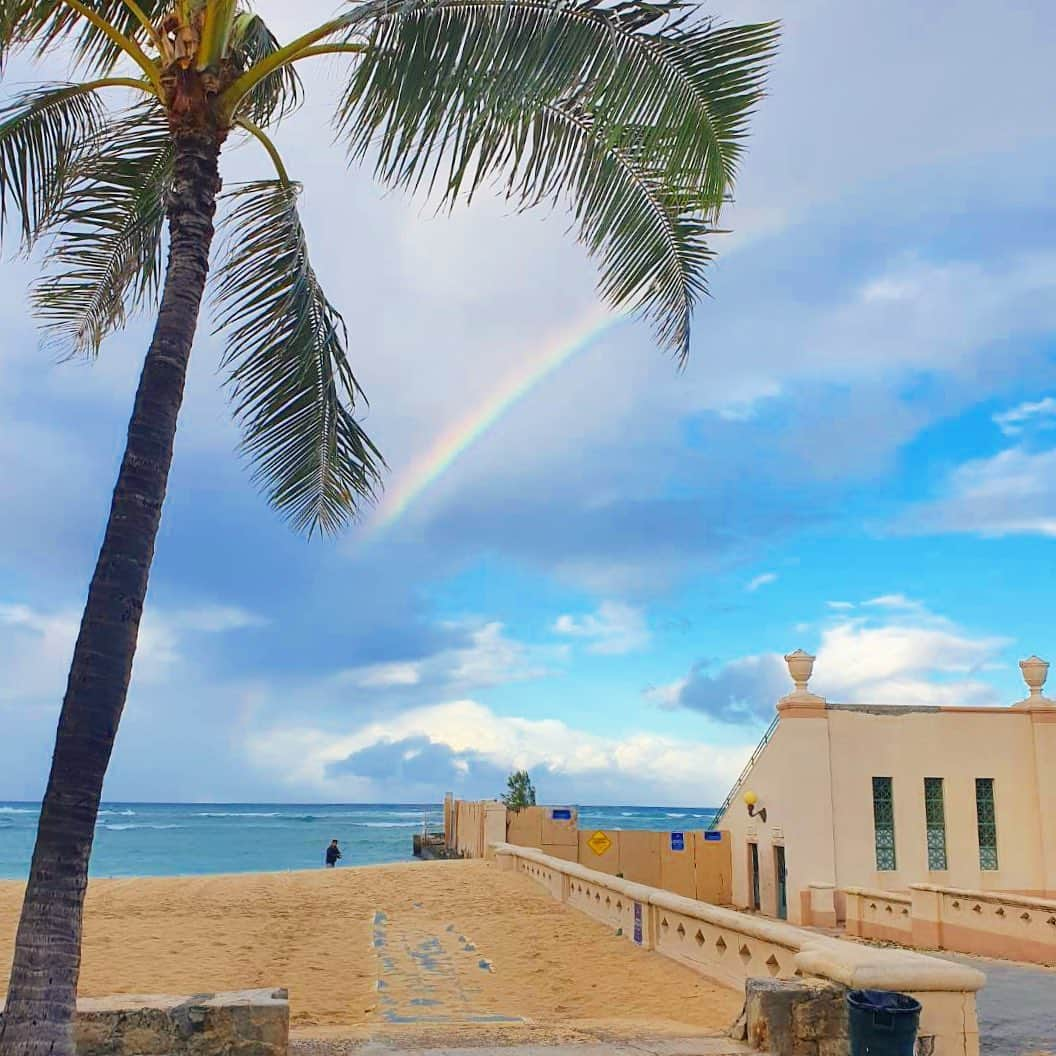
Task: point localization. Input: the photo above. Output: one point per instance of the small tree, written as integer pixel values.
(520, 792)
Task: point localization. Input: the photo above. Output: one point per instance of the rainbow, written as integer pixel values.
(463, 434)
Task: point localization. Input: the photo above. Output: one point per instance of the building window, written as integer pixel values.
(987, 821)
(935, 816)
(884, 823)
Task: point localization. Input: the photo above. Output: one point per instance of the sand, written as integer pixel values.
(449, 949)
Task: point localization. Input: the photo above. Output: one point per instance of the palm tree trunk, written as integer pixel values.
(42, 994)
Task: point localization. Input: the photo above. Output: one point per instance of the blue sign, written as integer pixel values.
(678, 841)
(638, 923)
(713, 837)
(561, 814)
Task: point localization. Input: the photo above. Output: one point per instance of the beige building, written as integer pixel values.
(842, 796)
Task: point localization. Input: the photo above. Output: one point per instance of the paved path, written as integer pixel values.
(638, 1047)
(1017, 1007)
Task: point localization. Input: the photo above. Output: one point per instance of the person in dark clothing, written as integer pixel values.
(333, 853)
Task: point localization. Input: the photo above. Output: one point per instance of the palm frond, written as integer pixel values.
(278, 94)
(44, 24)
(43, 133)
(649, 238)
(291, 384)
(106, 260)
(689, 85)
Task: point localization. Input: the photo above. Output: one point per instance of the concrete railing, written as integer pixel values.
(988, 923)
(884, 915)
(732, 947)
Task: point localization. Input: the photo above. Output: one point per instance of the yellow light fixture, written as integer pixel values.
(750, 800)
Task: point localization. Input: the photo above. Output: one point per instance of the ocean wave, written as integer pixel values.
(16, 810)
(389, 824)
(674, 815)
(122, 813)
(133, 825)
(627, 814)
(241, 814)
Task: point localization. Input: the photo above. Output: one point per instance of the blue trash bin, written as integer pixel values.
(882, 1023)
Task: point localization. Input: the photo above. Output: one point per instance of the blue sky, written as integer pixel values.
(860, 459)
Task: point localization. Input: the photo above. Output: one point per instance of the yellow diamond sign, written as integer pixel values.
(599, 843)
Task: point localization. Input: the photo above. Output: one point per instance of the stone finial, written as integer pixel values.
(1035, 671)
(800, 700)
(800, 667)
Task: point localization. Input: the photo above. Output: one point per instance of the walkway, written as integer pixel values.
(1017, 1007)
(638, 1047)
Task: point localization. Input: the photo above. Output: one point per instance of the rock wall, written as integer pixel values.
(242, 1023)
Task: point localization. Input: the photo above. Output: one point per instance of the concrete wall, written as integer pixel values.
(958, 746)
(695, 866)
(246, 1023)
(733, 947)
(814, 779)
(792, 782)
(1013, 927)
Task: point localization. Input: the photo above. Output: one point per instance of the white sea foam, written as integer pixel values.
(389, 824)
(16, 810)
(674, 815)
(133, 825)
(241, 814)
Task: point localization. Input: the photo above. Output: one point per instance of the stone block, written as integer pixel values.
(796, 1017)
(244, 1023)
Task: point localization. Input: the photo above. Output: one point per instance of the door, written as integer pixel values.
(753, 871)
(779, 875)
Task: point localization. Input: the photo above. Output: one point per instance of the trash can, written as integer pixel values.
(882, 1023)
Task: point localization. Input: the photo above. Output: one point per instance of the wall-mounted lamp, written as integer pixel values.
(751, 799)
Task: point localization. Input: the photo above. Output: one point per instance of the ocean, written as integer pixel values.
(181, 839)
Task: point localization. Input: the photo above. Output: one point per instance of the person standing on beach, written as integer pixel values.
(333, 852)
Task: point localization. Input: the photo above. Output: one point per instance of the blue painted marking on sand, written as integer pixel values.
(426, 978)
(427, 955)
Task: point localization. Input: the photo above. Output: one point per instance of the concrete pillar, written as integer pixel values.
(822, 904)
(494, 825)
(853, 922)
(926, 917)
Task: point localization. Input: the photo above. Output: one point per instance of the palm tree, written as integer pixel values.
(633, 113)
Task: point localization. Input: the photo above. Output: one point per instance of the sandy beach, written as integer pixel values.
(452, 947)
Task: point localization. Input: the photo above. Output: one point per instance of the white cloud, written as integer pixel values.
(381, 676)
(613, 629)
(859, 662)
(1010, 493)
(36, 645)
(761, 581)
(840, 605)
(1041, 413)
(900, 653)
(645, 766)
(490, 659)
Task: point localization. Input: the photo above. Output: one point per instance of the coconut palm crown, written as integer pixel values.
(630, 113)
